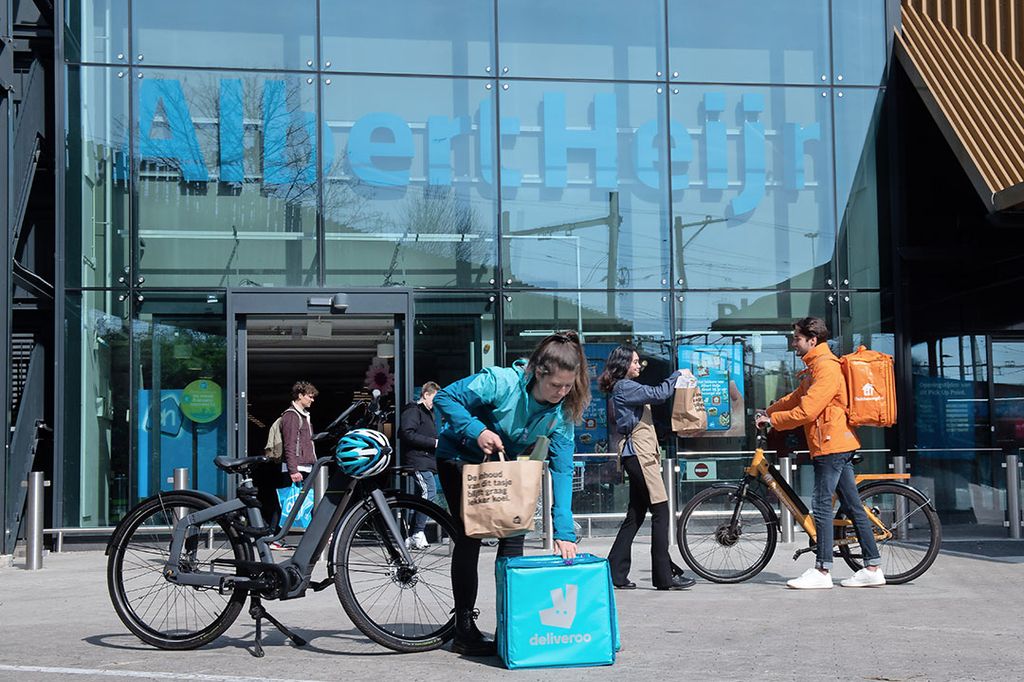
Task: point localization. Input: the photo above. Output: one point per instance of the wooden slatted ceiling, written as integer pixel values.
(965, 58)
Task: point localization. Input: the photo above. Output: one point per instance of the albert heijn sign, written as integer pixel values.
(381, 149)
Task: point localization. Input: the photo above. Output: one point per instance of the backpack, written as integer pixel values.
(870, 387)
(274, 449)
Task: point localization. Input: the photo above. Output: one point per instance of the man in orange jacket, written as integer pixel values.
(819, 405)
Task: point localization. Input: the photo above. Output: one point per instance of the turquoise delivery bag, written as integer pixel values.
(556, 614)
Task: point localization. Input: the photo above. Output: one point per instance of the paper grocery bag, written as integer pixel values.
(499, 498)
(688, 413)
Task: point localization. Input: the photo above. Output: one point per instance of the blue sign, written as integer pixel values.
(719, 373)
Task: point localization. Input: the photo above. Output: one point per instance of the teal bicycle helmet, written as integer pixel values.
(362, 453)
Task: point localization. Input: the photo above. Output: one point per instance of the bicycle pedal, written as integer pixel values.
(226, 586)
(322, 585)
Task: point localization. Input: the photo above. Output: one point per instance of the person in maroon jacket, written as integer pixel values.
(298, 455)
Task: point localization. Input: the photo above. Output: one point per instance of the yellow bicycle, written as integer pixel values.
(727, 533)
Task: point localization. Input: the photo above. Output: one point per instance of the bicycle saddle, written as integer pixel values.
(234, 465)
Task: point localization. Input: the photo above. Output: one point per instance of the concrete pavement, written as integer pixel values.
(960, 621)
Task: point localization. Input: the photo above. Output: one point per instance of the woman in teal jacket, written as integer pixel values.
(507, 408)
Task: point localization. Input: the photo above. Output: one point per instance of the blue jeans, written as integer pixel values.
(834, 474)
(427, 484)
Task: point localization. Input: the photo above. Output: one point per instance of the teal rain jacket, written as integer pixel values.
(498, 399)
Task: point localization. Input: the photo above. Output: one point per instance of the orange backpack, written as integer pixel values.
(870, 387)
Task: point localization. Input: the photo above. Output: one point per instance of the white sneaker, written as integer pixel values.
(417, 541)
(865, 578)
(811, 579)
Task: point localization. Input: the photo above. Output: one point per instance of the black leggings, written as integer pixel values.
(466, 554)
(619, 559)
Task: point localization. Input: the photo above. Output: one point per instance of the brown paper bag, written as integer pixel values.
(688, 412)
(499, 498)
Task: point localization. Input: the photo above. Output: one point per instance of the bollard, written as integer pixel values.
(669, 467)
(786, 516)
(180, 482)
(1013, 494)
(545, 510)
(34, 521)
(899, 466)
(319, 490)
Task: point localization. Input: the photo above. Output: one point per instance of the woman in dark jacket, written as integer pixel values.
(641, 459)
(418, 433)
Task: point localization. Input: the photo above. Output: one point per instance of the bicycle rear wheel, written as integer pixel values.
(160, 613)
(915, 528)
(405, 608)
(719, 550)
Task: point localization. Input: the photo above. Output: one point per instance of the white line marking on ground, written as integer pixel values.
(136, 673)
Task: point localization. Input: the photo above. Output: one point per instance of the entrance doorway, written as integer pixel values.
(345, 343)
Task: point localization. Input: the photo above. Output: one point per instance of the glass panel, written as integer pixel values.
(752, 187)
(96, 176)
(605, 320)
(601, 39)
(583, 186)
(866, 319)
(96, 31)
(97, 392)
(455, 337)
(951, 394)
(863, 257)
(738, 344)
(180, 348)
(749, 41)
(598, 488)
(450, 37)
(858, 41)
(1008, 394)
(267, 35)
(227, 179)
(968, 489)
(407, 185)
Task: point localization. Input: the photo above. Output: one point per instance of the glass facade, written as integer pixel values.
(630, 171)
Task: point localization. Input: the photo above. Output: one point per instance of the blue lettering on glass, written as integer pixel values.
(646, 154)
(715, 164)
(509, 128)
(363, 149)
(558, 140)
(796, 136)
(381, 145)
(231, 131)
(441, 130)
(754, 168)
(182, 147)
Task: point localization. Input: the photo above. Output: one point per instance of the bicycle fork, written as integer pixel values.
(391, 526)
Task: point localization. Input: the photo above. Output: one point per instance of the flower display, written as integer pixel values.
(379, 376)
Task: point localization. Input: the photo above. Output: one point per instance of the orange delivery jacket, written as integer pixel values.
(818, 404)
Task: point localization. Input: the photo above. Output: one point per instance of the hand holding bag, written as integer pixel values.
(688, 412)
(499, 497)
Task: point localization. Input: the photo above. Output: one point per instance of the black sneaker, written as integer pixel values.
(679, 582)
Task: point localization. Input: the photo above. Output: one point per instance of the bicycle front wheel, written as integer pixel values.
(914, 532)
(406, 608)
(160, 613)
(716, 547)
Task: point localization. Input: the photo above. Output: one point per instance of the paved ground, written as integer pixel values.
(960, 621)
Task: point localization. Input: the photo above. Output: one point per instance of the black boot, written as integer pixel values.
(469, 641)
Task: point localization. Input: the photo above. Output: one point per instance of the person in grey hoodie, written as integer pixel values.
(640, 457)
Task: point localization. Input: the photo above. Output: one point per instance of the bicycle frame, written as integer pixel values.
(294, 572)
(761, 469)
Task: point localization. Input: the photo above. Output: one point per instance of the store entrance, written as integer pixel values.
(344, 343)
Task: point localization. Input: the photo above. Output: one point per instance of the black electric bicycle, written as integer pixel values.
(182, 563)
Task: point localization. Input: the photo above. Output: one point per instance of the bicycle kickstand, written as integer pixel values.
(258, 613)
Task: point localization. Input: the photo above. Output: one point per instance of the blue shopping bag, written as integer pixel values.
(555, 614)
(287, 497)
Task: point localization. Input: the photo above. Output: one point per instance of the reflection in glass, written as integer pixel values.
(96, 31)
(749, 41)
(858, 41)
(455, 337)
(226, 179)
(266, 35)
(97, 393)
(96, 190)
(866, 319)
(752, 187)
(179, 416)
(601, 39)
(861, 255)
(407, 195)
(444, 37)
(584, 185)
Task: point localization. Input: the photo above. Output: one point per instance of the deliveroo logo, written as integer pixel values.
(563, 608)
